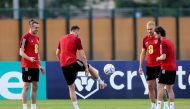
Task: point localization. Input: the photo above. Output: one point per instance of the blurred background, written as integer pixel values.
(110, 29)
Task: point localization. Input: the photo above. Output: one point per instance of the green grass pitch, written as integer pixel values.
(92, 104)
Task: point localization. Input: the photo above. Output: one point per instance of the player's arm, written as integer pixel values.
(82, 55)
(40, 65)
(162, 57)
(142, 57)
(83, 59)
(23, 54)
(58, 54)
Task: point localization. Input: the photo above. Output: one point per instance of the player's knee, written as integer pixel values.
(35, 88)
(72, 88)
(90, 67)
(26, 87)
(169, 89)
(151, 87)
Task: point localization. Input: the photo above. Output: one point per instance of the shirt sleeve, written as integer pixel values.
(79, 44)
(23, 41)
(163, 48)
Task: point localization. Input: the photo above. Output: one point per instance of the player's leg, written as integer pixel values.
(165, 78)
(33, 94)
(26, 79)
(151, 77)
(151, 93)
(24, 94)
(165, 95)
(160, 90)
(171, 95)
(73, 96)
(72, 93)
(34, 78)
(70, 76)
(171, 75)
(96, 76)
(80, 67)
(165, 98)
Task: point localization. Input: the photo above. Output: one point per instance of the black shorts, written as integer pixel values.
(152, 72)
(30, 74)
(70, 71)
(167, 77)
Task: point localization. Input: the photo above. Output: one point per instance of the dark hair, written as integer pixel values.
(75, 27)
(160, 30)
(32, 21)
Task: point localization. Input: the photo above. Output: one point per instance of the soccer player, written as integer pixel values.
(29, 51)
(66, 53)
(168, 67)
(151, 47)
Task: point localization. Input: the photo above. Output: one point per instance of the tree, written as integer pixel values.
(133, 3)
(6, 3)
(66, 3)
(29, 3)
(174, 3)
(149, 3)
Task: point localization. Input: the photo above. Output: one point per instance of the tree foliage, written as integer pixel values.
(66, 3)
(147, 3)
(5, 3)
(174, 3)
(50, 4)
(29, 3)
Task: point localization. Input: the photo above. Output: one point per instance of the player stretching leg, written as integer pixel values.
(66, 54)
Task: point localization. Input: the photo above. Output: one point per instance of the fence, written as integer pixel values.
(106, 34)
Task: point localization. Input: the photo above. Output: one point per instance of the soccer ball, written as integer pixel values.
(109, 69)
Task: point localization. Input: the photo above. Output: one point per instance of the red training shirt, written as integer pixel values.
(30, 43)
(68, 46)
(152, 46)
(167, 47)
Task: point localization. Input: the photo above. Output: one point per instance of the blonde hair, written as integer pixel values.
(151, 23)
